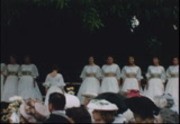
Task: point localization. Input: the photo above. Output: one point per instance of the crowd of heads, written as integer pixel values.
(105, 108)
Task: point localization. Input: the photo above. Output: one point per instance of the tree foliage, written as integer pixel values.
(93, 13)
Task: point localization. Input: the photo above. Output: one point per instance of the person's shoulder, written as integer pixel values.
(162, 67)
(86, 66)
(105, 65)
(151, 66)
(56, 119)
(125, 66)
(59, 75)
(33, 65)
(97, 66)
(136, 66)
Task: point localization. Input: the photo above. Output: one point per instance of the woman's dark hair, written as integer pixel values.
(28, 56)
(13, 56)
(156, 57)
(54, 67)
(116, 99)
(107, 116)
(142, 106)
(57, 100)
(79, 115)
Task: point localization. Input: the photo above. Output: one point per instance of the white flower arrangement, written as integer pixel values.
(46, 84)
(15, 98)
(175, 27)
(12, 115)
(70, 90)
(134, 23)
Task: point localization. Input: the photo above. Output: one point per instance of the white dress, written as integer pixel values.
(90, 85)
(3, 69)
(28, 87)
(156, 79)
(131, 75)
(110, 82)
(11, 83)
(172, 86)
(53, 84)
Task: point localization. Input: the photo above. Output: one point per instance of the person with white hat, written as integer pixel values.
(33, 111)
(103, 111)
(71, 101)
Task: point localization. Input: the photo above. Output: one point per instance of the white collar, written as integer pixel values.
(59, 112)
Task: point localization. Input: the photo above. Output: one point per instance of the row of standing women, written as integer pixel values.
(19, 80)
(107, 79)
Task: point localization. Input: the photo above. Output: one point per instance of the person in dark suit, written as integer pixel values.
(56, 106)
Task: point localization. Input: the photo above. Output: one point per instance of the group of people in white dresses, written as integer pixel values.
(109, 78)
(21, 80)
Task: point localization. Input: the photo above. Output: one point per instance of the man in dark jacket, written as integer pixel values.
(56, 106)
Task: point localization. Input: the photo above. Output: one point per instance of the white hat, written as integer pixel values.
(71, 101)
(102, 105)
(41, 109)
(28, 117)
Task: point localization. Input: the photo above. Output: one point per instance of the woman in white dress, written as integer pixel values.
(28, 87)
(131, 75)
(54, 83)
(2, 72)
(156, 79)
(11, 83)
(111, 77)
(90, 75)
(172, 86)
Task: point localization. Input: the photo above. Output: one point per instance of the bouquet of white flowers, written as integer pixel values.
(12, 112)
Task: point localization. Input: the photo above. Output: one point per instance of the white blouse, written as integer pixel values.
(114, 68)
(128, 70)
(12, 68)
(91, 69)
(156, 70)
(172, 70)
(29, 68)
(54, 81)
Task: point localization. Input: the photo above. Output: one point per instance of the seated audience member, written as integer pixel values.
(103, 111)
(33, 111)
(79, 115)
(143, 108)
(56, 106)
(167, 116)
